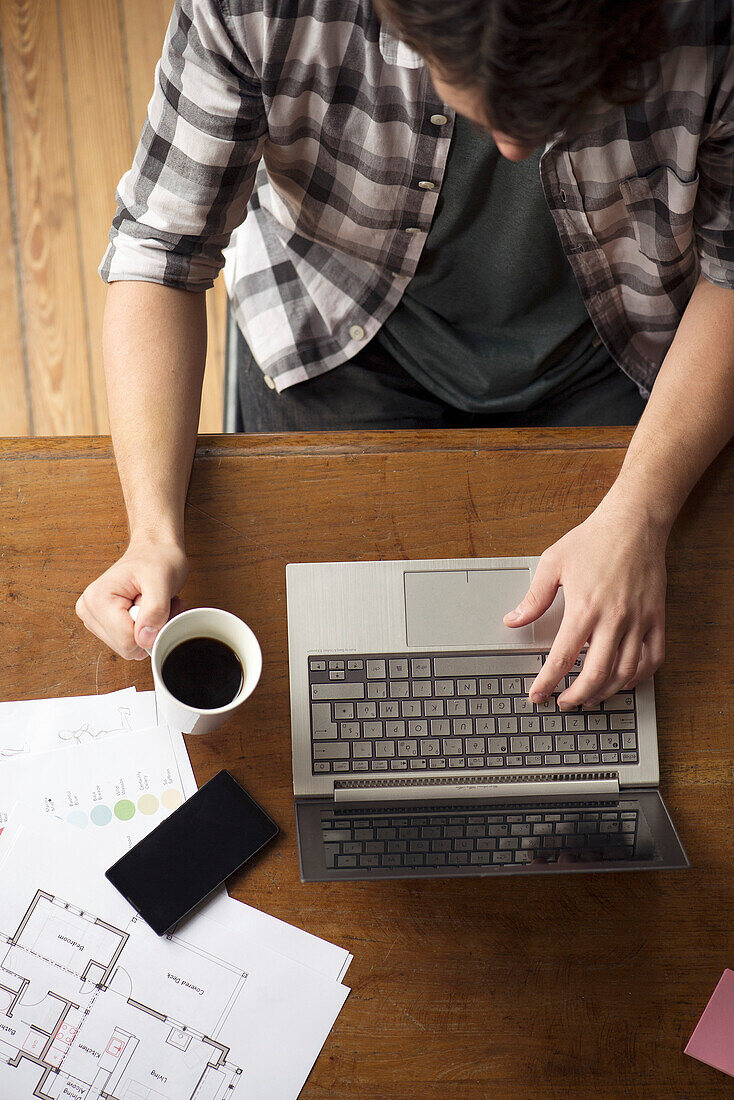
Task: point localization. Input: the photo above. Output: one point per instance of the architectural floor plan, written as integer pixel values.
(89, 1012)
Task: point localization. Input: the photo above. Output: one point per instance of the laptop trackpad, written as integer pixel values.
(465, 607)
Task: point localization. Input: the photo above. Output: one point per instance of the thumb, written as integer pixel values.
(538, 597)
(155, 609)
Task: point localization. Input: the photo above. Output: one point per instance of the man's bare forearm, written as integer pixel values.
(689, 416)
(154, 342)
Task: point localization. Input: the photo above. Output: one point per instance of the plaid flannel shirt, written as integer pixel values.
(314, 133)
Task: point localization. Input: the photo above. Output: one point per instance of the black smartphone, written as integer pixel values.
(192, 852)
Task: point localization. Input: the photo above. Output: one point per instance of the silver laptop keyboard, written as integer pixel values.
(437, 712)
(446, 839)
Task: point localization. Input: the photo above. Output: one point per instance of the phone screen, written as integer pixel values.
(192, 852)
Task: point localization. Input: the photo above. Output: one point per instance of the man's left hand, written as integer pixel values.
(612, 569)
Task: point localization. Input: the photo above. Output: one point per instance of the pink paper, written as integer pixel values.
(713, 1040)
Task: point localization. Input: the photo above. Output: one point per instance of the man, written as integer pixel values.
(398, 247)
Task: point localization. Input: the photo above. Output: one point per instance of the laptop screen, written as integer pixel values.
(630, 831)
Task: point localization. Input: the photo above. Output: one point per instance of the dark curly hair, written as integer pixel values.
(536, 63)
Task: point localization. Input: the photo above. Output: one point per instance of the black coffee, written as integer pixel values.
(203, 673)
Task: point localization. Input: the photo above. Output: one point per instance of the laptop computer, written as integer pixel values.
(416, 751)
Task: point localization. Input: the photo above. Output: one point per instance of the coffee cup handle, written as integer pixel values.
(134, 611)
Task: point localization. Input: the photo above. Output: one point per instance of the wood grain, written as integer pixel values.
(52, 289)
(101, 151)
(516, 989)
(15, 418)
(144, 23)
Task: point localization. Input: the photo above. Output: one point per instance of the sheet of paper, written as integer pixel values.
(712, 1041)
(278, 935)
(117, 788)
(42, 725)
(93, 1003)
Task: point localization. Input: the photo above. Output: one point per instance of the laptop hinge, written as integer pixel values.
(462, 787)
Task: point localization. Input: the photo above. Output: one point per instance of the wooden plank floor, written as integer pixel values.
(76, 76)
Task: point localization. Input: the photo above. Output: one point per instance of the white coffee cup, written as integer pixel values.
(202, 622)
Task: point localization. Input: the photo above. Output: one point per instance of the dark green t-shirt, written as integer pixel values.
(493, 320)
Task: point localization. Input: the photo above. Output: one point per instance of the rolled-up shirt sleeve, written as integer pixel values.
(195, 164)
(714, 211)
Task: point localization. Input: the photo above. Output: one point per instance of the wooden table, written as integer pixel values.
(513, 989)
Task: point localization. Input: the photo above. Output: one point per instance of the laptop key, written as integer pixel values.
(421, 666)
(399, 765)
(520, 744)
(418, 763)
(376, 670)
(377, 690)
(330, 751)
(530, 725)
(362, 750)
(456, 707)
(621, 721)
(508, 664)
(452, 746)
(625, 701)
(479, 706)
(384, 749)
(407, 748)
(475, 761)
(433, 708)
(337, 691)
(346, 861)
(366, 710)
(437, 762)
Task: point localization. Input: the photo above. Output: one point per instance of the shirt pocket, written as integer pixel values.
(660, 206)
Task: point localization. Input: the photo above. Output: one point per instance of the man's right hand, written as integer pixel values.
(149, 573)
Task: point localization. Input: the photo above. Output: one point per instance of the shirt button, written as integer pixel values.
(269, 382)
(413, 229)
(356, 332)
(426, 185)
(439, 120)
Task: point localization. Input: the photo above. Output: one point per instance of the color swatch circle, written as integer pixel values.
(78, 818)
(101, 815)
(148, 804)
(171, 799)
(124, 809)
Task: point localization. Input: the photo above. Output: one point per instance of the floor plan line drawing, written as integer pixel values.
(99, 1013)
